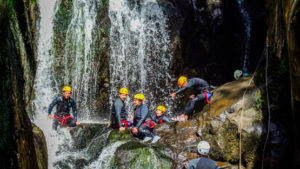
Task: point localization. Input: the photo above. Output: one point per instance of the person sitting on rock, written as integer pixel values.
(203, 162)
(200, 88)
(119, 114)
(159, 116)
(63, 104)
(142, 123)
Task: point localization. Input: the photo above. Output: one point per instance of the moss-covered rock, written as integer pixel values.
(17, 60)
(40, 147)
(133, 154)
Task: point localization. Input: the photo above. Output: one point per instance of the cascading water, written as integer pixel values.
(247, 24)
(81, 68)
(140, 50)
(140, 58)
(44, 90)
(105, 159)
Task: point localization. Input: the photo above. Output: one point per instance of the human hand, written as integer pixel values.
(77, 123)
(192, 96)
(129, 116)
(184, 116)
(134, 130)
(121, 129)
(49, 116)
(172, 95)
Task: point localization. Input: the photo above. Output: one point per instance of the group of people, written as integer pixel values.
(143, 123)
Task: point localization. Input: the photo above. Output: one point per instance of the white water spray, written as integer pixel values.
(81, 69)
(44, 91)
(140, 50)
(105, 159)
(247, 24)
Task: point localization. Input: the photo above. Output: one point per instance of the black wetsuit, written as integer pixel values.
(118, 113)
(141, 115)
(160, 119)
(203, 163)
(63, 110)
(198, 86)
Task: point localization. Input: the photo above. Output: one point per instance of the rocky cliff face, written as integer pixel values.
(283, 45)
(18, 42)
(220, 123)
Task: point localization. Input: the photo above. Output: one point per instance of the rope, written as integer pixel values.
(241, 119)
(242, 112)
(269, 111)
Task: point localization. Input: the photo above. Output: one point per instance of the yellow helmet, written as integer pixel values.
(161, 108)
(139, 97)
(67, 89)
(182, 80)
(123, 91)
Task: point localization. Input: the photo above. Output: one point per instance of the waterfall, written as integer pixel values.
(140, 54)
(247, 24)
(104, 161)
(43, 86)
(80, 70)
(80, 66)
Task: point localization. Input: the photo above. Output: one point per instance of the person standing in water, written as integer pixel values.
(63, 104)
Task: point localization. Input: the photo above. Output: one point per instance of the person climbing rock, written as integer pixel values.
(203, 162)
(201, 92)
(159, 116)
(119, 114)
(142, 122)
(63, 104)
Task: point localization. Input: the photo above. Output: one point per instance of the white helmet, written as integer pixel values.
(203, 147)
(237, 74)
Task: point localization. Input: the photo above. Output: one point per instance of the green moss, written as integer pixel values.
(105, 3)
(115, 136)
(260, 101)
(146, 158)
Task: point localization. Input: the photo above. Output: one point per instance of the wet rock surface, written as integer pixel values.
(40, 147)
(220, 126)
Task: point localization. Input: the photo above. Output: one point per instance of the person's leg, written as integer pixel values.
(145, 131)
(189, 108)
(71, 122)
(55, 123)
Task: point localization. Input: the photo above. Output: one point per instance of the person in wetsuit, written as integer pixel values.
(203, 162)
(201, 92)
(63, 104)
(142, 122)
(119, 113)
(159, 116)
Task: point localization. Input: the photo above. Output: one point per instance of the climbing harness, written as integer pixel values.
(149, 124)
(63, 121)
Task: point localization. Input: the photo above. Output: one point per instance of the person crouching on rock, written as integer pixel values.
(63, 104)
(200, 88)
(142, 123)
(119, 114)
(159, 116)
(203, 162)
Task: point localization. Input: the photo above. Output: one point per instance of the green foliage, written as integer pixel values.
(105, 3)
(260, 101)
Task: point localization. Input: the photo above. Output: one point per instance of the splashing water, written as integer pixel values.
(44, 90)
(105, 159)
(140, 50)
(81, 69)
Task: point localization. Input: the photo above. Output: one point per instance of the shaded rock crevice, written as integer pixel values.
(18, 53)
